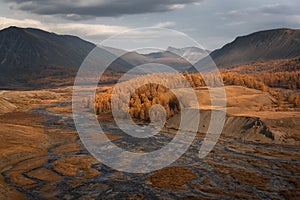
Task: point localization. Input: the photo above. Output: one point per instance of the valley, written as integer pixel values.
(42, 156)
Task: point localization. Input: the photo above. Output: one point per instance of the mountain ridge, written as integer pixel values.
(264, 45)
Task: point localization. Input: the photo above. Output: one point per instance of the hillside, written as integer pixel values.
(33, 49)
(259, 46)
(28, 54)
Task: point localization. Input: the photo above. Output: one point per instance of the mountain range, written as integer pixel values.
(27, 53)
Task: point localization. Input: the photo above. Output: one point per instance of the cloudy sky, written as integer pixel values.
(212, 23)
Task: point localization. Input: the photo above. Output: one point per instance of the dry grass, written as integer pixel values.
(44, 175)
(172, 178)
(60, 110)
(75, 166)
(66, 149)
(20, 141)
(238, 193)
(16, 174)
(7, 192)
(242, 175)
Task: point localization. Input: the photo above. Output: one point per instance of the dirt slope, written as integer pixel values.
(239, 127)
(6, 106)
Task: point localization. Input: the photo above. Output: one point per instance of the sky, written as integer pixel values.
(212, 23)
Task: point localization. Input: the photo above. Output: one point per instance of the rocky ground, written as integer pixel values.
(42, 157)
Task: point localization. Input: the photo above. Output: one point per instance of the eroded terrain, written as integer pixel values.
(42, 157)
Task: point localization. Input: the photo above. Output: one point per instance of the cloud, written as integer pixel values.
(88, 29)
(165, 25)
(236, 23)
(266, 9)
(294, 19)
(266, 15)
(65, 28)
(6, 22)
(100, 32)
(81, 9)
(279, 9)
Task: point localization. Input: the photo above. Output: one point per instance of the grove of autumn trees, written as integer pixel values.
(284, 73)
(155, 89)
(290, 80)
(263, 81)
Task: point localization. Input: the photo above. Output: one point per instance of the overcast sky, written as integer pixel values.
(212, 23)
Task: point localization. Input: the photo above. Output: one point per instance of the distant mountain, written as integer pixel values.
(259, 46)
(180, 59)
(169, 58)
(192, 54)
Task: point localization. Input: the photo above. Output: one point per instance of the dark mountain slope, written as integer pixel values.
(263, 46)
(30, 50)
